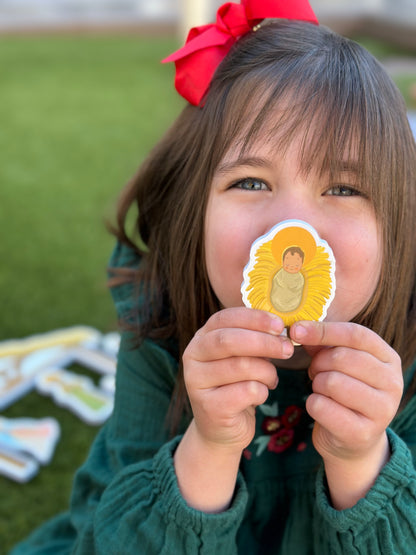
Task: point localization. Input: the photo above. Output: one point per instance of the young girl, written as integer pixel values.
(225, 437)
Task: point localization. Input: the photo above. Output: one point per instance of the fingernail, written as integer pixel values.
(298, 332)
(287, 348)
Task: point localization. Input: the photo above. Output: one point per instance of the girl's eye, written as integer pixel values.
(251, 184)
(342, 191)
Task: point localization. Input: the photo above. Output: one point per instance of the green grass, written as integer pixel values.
(78, 114)
(77, 117)
(382, 50)
(24, 506)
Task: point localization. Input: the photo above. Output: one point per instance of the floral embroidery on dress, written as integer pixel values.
(281, 431)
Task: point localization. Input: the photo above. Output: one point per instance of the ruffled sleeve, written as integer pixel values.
(142, 511)
(383, 522)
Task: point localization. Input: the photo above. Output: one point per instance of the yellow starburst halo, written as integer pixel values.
(291, 273)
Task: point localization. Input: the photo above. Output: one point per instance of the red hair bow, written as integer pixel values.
(207, 45)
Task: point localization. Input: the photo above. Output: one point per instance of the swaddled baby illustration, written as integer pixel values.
(288, 282)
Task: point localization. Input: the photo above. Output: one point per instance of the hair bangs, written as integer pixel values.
(334, 99)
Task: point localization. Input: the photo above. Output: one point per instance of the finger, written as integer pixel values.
(356, 396)
(344, 425)
(245, 318)
(357, 364)
(232, 399)
(346, 334)
(233, 370)
(229, 342)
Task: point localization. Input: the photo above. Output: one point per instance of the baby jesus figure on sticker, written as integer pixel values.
(291, 272)
(288, 282)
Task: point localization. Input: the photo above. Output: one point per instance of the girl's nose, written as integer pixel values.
(293, 205)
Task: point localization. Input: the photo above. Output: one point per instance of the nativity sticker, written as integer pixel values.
(291, 273)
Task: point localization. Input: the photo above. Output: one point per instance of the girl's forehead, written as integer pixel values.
(264, 136)
(275, 125)
(259, 151)
(270, 143)
(271, 149)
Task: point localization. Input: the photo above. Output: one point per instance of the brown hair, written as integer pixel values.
(294, 250)
(341, 101)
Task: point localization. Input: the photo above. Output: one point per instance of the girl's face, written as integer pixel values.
(251, 194)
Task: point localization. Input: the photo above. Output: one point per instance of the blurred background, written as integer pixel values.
(83, 97)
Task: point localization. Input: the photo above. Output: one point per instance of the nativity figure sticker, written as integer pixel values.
(291, 273)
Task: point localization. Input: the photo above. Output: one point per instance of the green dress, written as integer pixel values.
(126, 499)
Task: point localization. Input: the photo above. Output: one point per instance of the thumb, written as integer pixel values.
(311, 350)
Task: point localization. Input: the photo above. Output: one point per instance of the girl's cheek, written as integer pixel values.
(358, 267)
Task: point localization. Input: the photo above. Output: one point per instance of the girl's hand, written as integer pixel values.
(357, 385)
(228, 372)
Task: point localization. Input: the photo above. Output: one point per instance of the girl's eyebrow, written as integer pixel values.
(251, 161)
